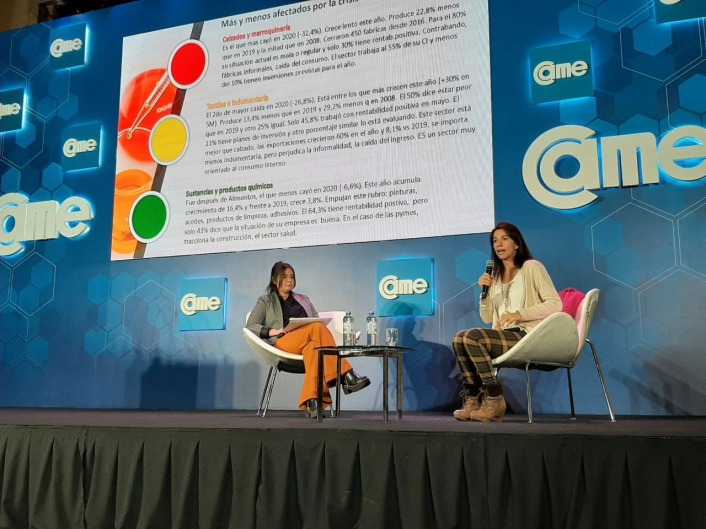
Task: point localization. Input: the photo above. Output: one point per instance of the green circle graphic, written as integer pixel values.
(149, 217)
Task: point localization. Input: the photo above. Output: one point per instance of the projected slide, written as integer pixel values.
(310, 124)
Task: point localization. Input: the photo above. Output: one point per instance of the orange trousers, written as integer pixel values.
(304, 341)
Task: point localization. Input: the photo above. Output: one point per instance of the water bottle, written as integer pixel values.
(371, 328)
(348, 335)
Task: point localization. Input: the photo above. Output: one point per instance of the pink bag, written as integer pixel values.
(571, 298)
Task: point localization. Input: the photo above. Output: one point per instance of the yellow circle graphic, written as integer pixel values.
(169, 139)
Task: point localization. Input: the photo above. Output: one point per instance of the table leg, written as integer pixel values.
(338, 384)
(320, 389)
(400, 385)
(385, 384)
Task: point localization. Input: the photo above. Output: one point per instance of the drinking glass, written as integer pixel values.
(392, 336)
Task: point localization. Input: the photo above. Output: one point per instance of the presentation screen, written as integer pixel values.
(314, 123)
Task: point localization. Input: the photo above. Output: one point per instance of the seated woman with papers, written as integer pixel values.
(270, 318)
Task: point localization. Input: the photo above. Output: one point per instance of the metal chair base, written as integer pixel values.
(571, 389)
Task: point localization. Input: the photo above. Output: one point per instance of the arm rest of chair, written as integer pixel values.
(270, 353)
(554, 341)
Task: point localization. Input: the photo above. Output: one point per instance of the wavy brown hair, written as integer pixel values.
(523, 251)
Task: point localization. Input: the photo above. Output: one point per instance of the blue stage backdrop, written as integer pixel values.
(598, 156)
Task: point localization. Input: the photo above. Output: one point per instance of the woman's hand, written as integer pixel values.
(509, 319)
(486, 280)
(277, 332)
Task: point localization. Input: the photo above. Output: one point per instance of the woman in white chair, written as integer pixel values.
(521, 294)
(268, 320)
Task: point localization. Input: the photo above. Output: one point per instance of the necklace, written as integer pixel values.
(505, 290)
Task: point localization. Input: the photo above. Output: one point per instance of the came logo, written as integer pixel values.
(202, 304)
(81, 147)
(392, 287)
(404, 287)
(68, 47)
(191, 303)
(74, 146)
(21, 221)
(561, 72)
(11, 102)
(615, 161)
(60, 46)
(9, 110)
(546, 73)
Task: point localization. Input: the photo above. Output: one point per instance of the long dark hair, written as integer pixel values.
(523, 251)
(277, 274)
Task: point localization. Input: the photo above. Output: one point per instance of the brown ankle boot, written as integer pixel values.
(469, 404)
(491, 409)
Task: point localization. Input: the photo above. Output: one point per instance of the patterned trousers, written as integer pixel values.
(475, 350)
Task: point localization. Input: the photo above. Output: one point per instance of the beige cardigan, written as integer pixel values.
(539, 300)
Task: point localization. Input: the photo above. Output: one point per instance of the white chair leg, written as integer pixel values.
(529, 394)
(264, 390)
(600, 375)
(269, 392)
(571, 393)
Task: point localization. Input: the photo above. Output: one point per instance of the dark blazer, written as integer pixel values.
(267, 314)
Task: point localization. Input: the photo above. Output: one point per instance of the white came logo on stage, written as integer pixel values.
(191, 304)
(547, 72)
(40, 220)
(616, 161)
(391, 287)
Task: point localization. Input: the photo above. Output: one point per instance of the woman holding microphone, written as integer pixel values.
(520, 295)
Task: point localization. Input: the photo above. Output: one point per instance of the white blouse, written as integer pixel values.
(510, 295)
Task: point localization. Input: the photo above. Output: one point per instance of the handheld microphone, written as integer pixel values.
(488, 270)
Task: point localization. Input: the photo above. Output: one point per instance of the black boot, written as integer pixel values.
(311, 409)
(352, 382)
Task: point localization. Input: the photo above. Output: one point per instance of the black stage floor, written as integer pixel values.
(128, 469)
(430, 422)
